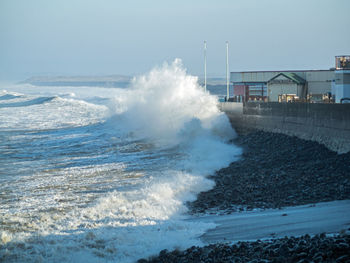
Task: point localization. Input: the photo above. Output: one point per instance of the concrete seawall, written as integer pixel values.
(328, 124)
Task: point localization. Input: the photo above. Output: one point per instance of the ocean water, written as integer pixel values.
(93, 174)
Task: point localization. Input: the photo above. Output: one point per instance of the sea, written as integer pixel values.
(97, 174)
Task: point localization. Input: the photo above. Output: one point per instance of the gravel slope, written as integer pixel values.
(275, 171)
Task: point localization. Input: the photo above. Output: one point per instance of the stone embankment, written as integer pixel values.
(328, 124)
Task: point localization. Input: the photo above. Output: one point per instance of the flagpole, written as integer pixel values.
(205, 66)
(227, 74)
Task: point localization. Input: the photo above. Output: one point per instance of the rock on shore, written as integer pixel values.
(275, 171)
(319, 248)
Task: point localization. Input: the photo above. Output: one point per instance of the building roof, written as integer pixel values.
(297, 70)
(292, 76)
(265, 76)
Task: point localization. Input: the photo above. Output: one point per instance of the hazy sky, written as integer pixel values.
(85, 37)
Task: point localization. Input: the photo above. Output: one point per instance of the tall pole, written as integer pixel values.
(205, 66)
(227, 74)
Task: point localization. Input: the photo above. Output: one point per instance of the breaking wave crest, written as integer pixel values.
(31, 102)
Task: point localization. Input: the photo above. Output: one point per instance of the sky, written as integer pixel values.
(103, 37)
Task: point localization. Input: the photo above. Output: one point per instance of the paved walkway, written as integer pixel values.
(328, 217)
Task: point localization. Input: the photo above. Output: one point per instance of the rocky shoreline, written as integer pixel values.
(319, 248)
(274, 171)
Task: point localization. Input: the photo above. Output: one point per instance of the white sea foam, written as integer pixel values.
(173, 135)
(33, 112)
(161, 103)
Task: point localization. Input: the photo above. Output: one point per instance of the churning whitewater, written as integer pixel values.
(96, 174)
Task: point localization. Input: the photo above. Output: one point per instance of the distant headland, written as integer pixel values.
(105, 81)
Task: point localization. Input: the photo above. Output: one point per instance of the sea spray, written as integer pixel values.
(118, 192)
(160, 104)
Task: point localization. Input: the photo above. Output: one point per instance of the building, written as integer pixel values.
(297, 85)
(341, 84)
(286, 87)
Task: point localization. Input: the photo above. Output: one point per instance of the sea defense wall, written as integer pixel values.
(328, 124)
